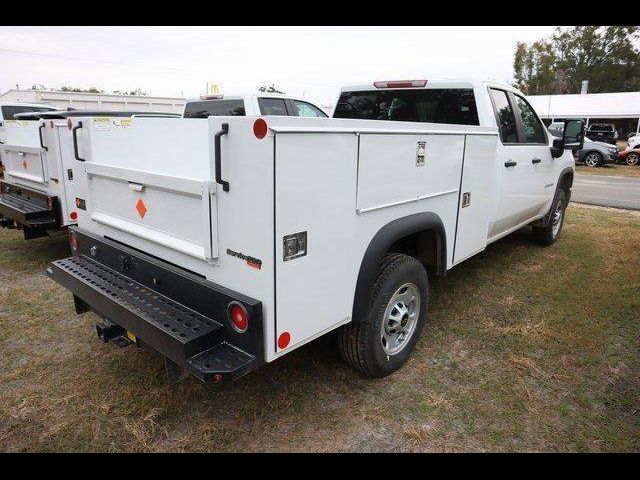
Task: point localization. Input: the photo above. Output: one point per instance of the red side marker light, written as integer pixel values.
(260, 128)
(69, 124)
(73, 241)
(283, 340)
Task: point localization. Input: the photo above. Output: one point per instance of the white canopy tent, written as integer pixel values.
(621, 109)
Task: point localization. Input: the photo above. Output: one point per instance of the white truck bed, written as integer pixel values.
(152, 186)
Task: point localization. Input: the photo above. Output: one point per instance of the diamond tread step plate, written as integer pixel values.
(188, 331)
(224, 360)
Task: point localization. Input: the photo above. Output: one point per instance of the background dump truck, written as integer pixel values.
(226, 243)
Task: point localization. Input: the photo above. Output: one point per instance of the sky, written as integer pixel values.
(308, 61)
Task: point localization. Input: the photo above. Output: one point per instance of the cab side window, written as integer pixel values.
(272, 106)
(504, 115)
(531, 125)
(304, 109)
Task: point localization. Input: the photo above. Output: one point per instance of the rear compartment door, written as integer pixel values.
(138, 190)
(22, 156)
(171, 211)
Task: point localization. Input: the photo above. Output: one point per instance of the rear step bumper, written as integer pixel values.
(28, 208)
(174, 312)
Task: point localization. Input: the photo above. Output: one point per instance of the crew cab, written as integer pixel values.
(252, 105)
(39, 190)
(227, 243)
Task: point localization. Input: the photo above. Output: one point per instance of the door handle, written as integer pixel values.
(218, 157)
(510, 163)
(535, 160)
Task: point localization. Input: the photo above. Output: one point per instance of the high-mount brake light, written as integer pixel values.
(401, 84)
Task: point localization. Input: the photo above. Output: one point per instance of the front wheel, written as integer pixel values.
(632, 159)
(593, 159)
(548, 234)
(382, 342)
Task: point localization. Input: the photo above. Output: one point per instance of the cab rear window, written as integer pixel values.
(214, 108)
(434, 105)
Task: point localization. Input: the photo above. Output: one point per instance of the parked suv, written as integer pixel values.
(602, 132)
(596, 154)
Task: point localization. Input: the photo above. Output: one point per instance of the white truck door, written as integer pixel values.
(537, 144)
(477, 189)
(519, 191)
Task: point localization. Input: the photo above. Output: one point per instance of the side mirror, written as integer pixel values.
(573, 136)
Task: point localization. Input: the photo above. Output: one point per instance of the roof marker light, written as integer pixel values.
(401, 84)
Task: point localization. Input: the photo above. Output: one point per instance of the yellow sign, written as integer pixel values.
(214, 89)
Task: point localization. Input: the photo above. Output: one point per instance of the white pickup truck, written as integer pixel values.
(227, 243)
(45, 178)
(39, 190)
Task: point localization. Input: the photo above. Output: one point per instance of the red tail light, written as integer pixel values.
(401, 84)
(69, 124)
(239, 317)
(73, 241)
(50, 203)
(73, 216)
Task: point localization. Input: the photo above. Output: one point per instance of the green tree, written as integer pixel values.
(65, 88)
(269, 89)
(534, 67)
(607, 56)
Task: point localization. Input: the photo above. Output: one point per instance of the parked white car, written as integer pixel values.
(227, 243)
(634, 142)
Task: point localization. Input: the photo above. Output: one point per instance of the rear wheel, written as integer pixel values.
(549, 234)
(593, 159)
(632, 159)
(384, 340)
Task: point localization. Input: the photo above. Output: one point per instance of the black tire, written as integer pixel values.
(549, 234)
(632, 159)
(361, 343)
(593, 159)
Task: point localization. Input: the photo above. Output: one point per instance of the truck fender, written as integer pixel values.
(565, 182)
(379, 246)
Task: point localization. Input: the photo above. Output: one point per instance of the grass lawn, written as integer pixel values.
(527, 348)
(615, 170)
